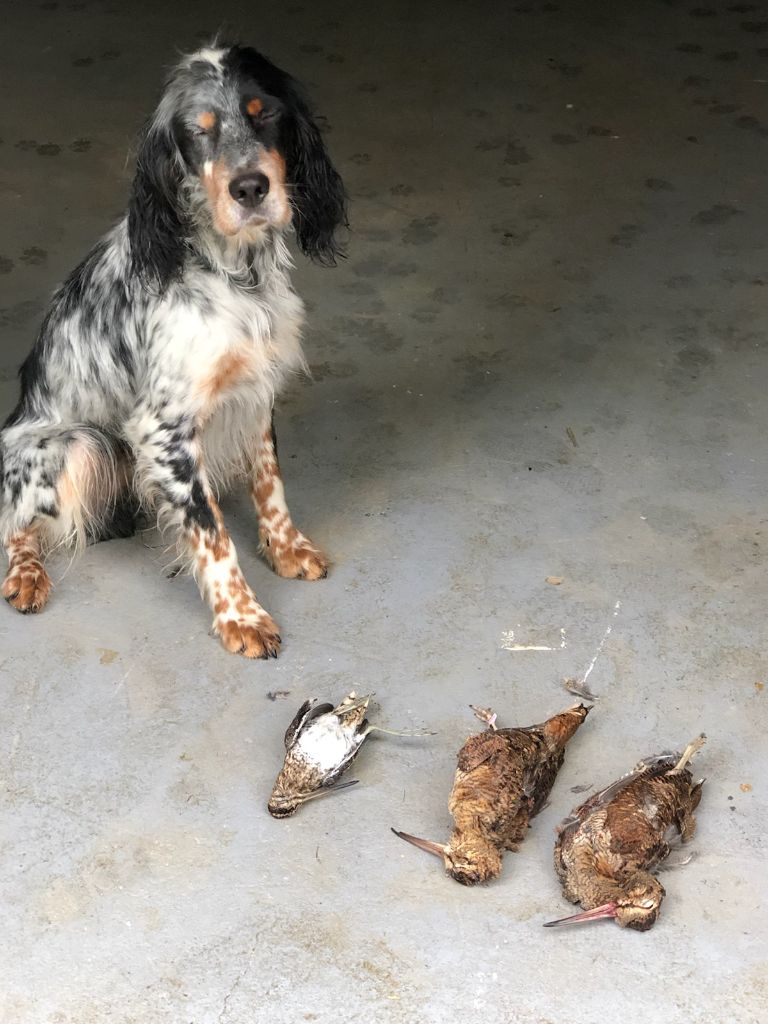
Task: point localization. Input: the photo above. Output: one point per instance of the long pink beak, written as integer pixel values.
(607, 910)
(423, 844)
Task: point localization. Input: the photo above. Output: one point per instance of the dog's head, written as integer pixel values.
(233, 143)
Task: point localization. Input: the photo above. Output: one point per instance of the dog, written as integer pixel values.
(152, 381)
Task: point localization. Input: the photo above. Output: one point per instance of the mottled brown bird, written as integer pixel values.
(503, 779)
(607, 850)
(321, 742)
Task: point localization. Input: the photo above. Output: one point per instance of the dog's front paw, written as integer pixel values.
(294, 556)
(254, 636)
(27, 587)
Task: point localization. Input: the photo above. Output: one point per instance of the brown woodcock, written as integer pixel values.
(503, 779)
(321, 742)
(608, 849)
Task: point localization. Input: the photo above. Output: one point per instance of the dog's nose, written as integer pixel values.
(249, 189)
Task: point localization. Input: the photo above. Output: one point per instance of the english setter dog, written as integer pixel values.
(153, 378)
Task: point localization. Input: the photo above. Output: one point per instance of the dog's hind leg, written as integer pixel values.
(287, 550)
(58, 487)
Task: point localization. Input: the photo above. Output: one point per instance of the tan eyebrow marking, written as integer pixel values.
(254, 106)
(206, 120)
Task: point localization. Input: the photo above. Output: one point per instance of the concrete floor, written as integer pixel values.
(545, 356)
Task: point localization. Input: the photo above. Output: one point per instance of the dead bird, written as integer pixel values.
(607, 851)
(321, 742)
(503, 779)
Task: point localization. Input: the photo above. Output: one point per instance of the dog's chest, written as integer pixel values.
(240, 346)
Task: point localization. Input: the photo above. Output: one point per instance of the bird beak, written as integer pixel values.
(607, 910)
(423, 844)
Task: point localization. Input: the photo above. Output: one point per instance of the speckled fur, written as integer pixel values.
(156, 368)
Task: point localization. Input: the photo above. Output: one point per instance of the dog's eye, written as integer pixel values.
(204, 123)
(259, 113)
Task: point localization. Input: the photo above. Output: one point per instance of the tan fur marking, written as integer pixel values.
(27, 585)
(206, 120)
(230, 369)
(254, 107)
(288, 551)
(216, 183)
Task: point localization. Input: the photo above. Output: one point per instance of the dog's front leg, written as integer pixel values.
(171, 476)
(287, 550)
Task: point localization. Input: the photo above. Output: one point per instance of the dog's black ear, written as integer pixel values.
(317, 192)
(157, 224)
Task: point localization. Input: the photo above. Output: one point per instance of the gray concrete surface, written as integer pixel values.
(545, 356)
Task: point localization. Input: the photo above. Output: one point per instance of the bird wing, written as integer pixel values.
(308, 711)
(650, 767)
(478, 749)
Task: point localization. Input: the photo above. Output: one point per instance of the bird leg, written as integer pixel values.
(693, 747)
(487, 715)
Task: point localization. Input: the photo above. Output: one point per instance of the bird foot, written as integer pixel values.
(487, 715)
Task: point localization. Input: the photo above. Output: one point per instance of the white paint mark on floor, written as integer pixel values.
(601, 645)
(508, 643)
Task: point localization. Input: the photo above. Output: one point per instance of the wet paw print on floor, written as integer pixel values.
(567, 70)
(6, 265)
(86, 62)
(720, 213)
(516, 154)
(34, 256)
(689, 48)
(52, 148)
(627, 235)
(659, 185)
(512, 237)
(564, 139)
(421, 230)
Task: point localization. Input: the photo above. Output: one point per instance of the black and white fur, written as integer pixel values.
(155, 371)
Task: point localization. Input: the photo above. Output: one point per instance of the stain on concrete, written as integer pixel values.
(567, 70)
(341, 370)
(680, 281)
(34, 256)
(22, 312)
(6, 265)
(659, 185)
(48, 149)
(564, 139)
(627, 235)
(421, 230)
(515, 154)
(720, 213)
